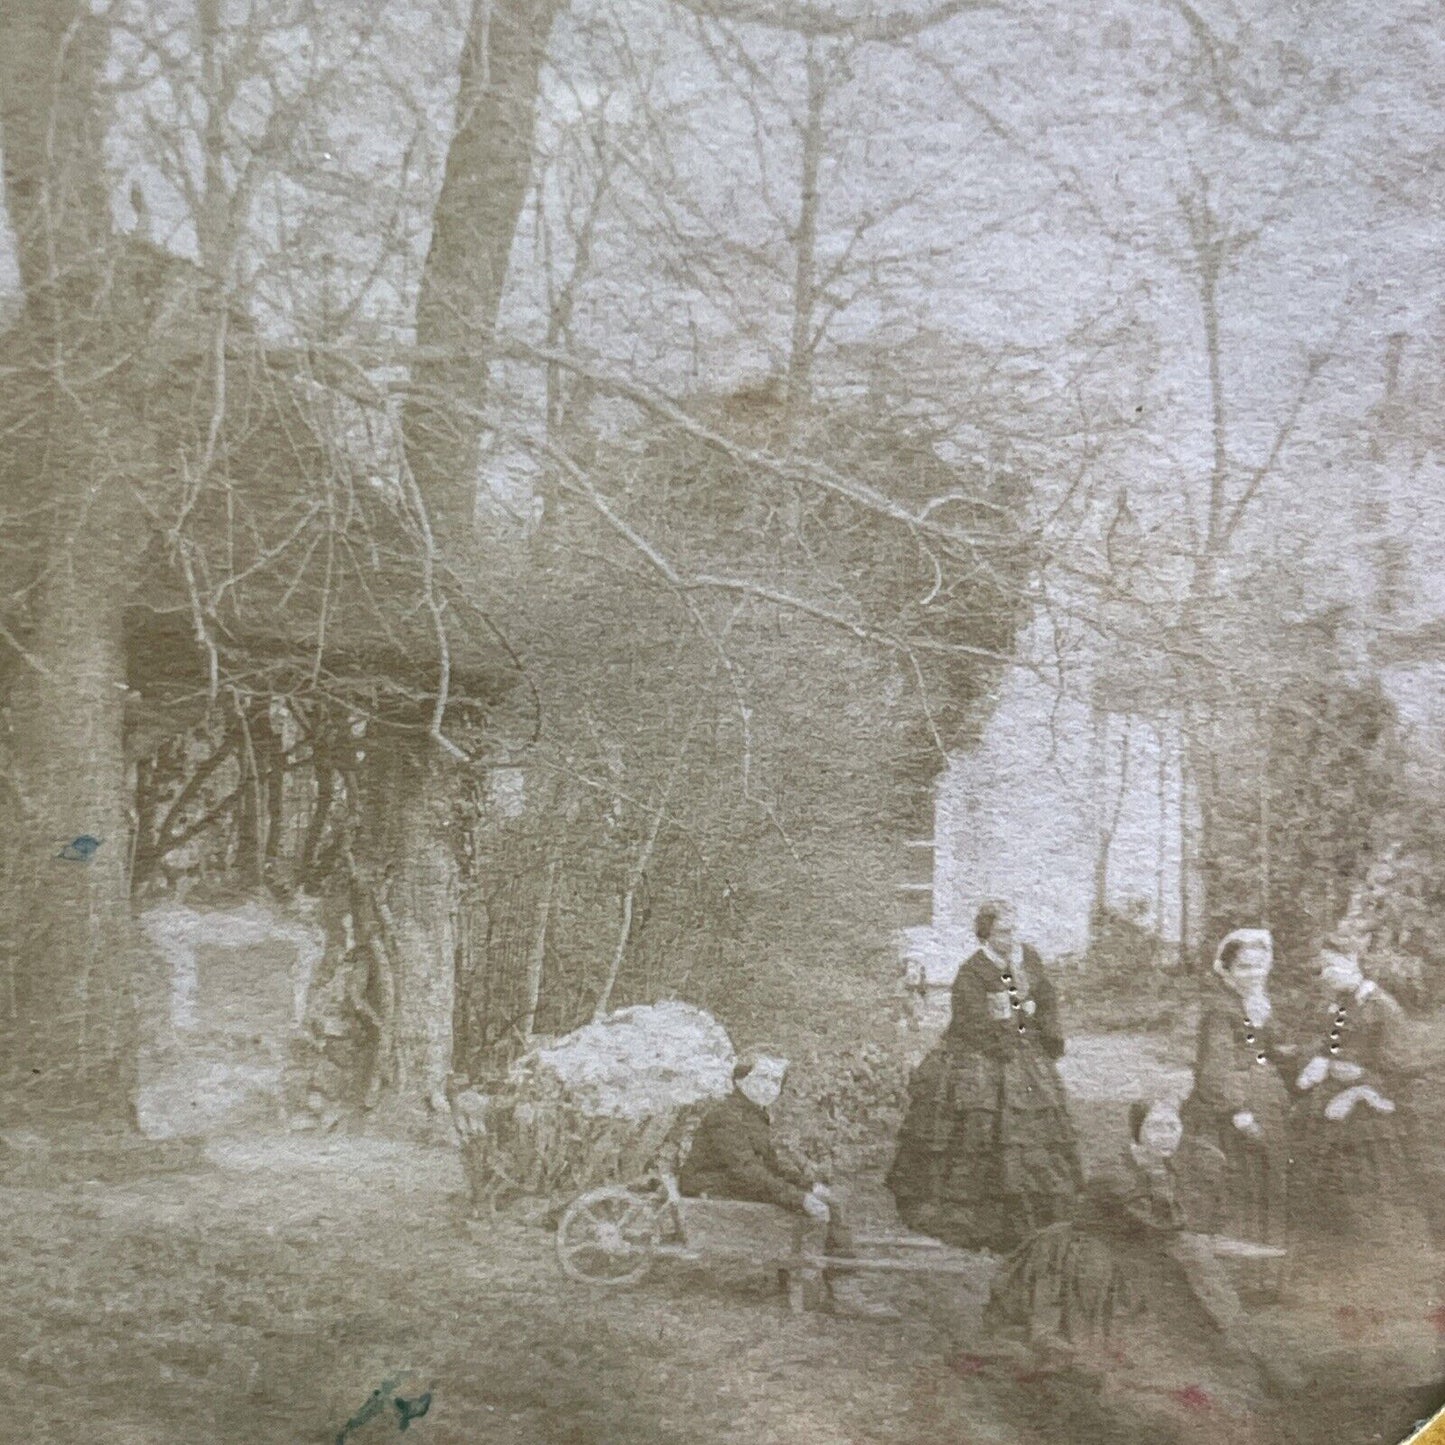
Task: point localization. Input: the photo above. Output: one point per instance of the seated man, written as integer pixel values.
(732, 1157)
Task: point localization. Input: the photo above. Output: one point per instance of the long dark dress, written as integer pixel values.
(1353, 1176)
(1122, 1293)
(986, 1154)
(1231, 1183)
(1363, 1266)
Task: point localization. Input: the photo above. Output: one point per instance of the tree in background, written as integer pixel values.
(753, 617)
(1298, 830)
(198, 533)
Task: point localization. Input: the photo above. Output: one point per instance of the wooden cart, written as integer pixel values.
(614, 1235)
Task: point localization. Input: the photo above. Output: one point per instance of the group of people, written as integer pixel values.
(1285, 1176)
(1288, 1157)
(987, 1154)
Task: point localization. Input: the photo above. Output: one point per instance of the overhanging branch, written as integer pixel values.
(865, 22)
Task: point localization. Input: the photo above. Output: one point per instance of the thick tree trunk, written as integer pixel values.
(488, 170)
(424, 909)
(52, 128)
(73, 1030)
(411, 864)
(70, 1027)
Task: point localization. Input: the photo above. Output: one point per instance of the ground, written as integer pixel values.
(262, 1292)
(263, 1296)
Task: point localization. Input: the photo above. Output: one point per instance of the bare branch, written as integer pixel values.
(866, 22)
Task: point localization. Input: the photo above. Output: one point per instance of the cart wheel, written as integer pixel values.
(607, 1237)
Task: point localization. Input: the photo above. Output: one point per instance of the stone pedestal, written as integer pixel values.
(214, 1060)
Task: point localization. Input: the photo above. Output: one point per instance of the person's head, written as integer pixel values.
(1157, 1127)
(759, 1076)
(1339, 972)
(994, 924)
(1245, 958)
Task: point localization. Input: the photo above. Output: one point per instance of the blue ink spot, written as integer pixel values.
(79, 850)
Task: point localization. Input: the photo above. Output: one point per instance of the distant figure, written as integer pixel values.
(987, 1154)
(732, 1157)
(1235, 1153)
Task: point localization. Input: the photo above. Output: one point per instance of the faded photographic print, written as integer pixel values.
(722, 722)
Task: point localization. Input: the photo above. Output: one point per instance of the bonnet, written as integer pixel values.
(1241, 938)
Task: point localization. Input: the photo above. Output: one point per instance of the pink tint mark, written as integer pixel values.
(1194, 1397)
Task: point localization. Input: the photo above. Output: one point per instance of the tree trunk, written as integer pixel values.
(71, 1031)
(1107, 817)
(488, 169)
(1193, 846)
(424, 899)
(52, 128)
(537, 959)
(414, 867)
(805, 239)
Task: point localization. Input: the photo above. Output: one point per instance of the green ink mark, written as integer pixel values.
(382, 1399)
(409, 1410)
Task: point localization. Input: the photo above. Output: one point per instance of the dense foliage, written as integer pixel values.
(732, 772)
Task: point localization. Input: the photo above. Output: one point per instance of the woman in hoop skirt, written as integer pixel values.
(1351, 1149)
(1134, 1311)
(987, 1152)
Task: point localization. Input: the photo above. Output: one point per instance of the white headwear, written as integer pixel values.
(1341, 971)
(1244, 937)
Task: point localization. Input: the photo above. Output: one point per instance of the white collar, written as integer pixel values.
(1366, 989)
(1016, 958)
(1257, 1007)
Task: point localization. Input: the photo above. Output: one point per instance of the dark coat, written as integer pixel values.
(1355, 1175)
(1228, 1076)
(1136, 1302)
(732, 1157)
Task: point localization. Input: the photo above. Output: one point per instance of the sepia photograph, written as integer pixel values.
(722, 722)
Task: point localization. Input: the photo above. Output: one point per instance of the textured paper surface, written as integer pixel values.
(722, 721)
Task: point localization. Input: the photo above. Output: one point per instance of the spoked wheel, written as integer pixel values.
(607, 1237)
